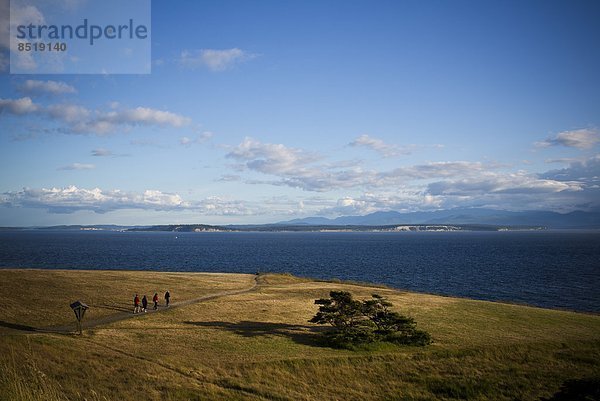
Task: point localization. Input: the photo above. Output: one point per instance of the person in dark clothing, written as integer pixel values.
(145, 303)
(167, 297)
(155, 300)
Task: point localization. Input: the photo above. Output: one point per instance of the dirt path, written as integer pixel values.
(70, 328)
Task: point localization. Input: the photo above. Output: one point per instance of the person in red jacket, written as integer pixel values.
(155, 300)
(136, 304)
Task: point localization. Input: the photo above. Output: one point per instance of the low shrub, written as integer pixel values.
(356, 323)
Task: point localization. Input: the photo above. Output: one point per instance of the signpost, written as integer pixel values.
(79, 308)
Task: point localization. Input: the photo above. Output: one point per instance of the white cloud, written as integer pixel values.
(81, 120)
(145, 116)
(20, 106)
(581, 139)
(215, 205)
(78, 166)
(102, 123)
(35, 87)
(424, 186)
(213, 59)
(71, 199)
(201, 138)
(379, 146)
(98, 127)
(573, 188)
(403, 200)
(158, 199)
(101, 152)
(498, 191)
(298, 168)
(516, 183)
(69, 113)
(294, 167)
(271, 158)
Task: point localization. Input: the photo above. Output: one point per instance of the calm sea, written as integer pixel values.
(550, 269)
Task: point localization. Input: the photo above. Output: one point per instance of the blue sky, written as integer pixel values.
(260, 111)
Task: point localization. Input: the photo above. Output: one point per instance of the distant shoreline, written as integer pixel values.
(202, 228)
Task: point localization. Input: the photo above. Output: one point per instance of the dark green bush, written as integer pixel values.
(356, 323)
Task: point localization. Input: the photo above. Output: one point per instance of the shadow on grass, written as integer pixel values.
(578, 389)
(305, 335)
(16, 326)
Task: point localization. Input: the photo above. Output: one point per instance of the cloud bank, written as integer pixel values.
(71, 199)
(81, 120)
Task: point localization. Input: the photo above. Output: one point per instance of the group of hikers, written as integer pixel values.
(142, 306)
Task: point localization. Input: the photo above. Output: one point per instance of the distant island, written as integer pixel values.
(204, 228)
(331, 228)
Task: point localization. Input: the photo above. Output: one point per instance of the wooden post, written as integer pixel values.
(79, 308)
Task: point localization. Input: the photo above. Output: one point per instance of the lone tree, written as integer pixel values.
(355, 322)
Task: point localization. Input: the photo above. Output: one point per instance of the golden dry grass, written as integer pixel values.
(260, 346)
(41, 297)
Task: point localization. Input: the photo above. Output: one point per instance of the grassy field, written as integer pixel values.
(41, 298)
(259, 345)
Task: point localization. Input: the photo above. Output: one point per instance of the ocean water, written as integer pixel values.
(556, 269)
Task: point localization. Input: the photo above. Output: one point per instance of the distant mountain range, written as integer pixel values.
(450, 220)
(577, 219)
